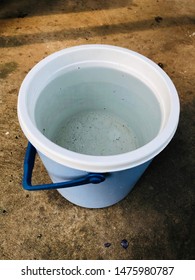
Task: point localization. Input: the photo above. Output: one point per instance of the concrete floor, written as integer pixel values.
(157, 217)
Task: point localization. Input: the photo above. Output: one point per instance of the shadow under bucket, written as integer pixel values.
(97, 115)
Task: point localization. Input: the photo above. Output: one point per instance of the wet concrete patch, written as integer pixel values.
(7, 68)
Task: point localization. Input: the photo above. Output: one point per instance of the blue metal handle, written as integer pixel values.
(90, 178)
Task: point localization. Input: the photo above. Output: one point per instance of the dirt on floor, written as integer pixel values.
(157, 217)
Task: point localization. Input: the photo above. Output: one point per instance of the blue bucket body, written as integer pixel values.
(116, 187)
(91, 190)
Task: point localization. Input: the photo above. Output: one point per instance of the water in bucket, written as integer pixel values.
(96, 133)
(98, 111)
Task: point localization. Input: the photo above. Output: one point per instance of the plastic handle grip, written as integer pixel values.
(90, 178)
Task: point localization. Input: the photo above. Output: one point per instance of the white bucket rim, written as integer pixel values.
(98, 163)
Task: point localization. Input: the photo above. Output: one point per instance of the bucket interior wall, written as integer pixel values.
(98, 111)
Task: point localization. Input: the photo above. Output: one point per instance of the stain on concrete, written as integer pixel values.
(7, 68)
(3, 211)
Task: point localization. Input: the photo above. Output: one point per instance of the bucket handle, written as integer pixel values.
(90, 178)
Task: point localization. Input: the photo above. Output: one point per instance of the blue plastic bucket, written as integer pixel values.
(97, 115)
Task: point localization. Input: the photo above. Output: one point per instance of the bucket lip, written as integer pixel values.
(98, 163)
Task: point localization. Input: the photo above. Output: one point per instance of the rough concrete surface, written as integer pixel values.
(157, 217)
